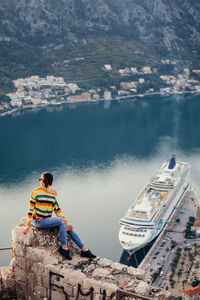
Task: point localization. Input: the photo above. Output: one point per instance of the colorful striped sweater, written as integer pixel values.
(42, 204)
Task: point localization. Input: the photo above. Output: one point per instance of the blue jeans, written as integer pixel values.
(57, 222)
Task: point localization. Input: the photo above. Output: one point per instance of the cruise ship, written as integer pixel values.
(151, 210)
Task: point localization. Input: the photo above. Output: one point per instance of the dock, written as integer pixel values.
(190, 195)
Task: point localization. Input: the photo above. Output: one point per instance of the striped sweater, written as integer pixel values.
(42, 204)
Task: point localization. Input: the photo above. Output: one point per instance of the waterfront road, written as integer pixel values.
(163, 251)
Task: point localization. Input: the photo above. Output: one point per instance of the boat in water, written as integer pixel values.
(149, 213)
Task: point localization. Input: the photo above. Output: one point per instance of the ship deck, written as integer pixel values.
(147, 203)
(156, 193)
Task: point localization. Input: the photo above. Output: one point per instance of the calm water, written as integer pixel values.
(101, 156)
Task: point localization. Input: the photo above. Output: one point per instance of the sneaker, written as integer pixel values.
(65, 253)
(87, 254)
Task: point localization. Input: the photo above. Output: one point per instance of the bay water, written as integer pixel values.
(101, 156)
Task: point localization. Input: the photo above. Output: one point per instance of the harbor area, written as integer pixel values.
(172, 262)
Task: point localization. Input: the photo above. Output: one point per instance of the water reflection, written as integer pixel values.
(92, 199)
(101, 158)
(107, 104)
(93, 134)
(136, 258)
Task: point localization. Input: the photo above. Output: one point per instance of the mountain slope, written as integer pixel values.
(37, 36)
(171, 25)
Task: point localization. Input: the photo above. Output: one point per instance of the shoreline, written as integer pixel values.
(32, 106)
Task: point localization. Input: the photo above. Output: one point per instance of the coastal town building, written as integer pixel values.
(16, 102)
(27, 101)
(50, 79)
(92, 91)
(166, 90)
(168, 78)
(85, 96)
(124, 72)
(196, 225)
(165, 61)
(197, 87)
(107, 95)
(146, 70)
(141, 80)
(123, 92)
(128, 85)
(5, 105)
(73, 87)
(81, 97)
(134, 70)
(133, 90)
(95, 96)
(34, 90)
(176, 88)
(196, 71)
(187, 71)
(36, 100)
(107, 67)
(67, 90)
(191, 294)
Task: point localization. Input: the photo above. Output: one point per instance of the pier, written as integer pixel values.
(164, 249)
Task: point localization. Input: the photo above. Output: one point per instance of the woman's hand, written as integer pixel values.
(26, 229)
(64, 221)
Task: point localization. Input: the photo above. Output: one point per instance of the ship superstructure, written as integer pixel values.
(148, 215)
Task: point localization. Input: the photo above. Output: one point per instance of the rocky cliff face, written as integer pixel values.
(162, 24)
(37, 271)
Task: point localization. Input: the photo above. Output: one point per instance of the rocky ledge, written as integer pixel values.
(35, 257)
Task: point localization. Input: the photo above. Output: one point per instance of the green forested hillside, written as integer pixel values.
(38, 36)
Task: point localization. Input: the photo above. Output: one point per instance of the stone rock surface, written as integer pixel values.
(136, 272)
(143, 288)
(118, 267)
(100, 272)
(155, 22)
(37, 267)
(104, 262)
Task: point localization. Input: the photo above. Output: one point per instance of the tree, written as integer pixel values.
(172, 283)
(180, 271)
(4, 98)
(183, 262)
(173, 244)
(191, 220)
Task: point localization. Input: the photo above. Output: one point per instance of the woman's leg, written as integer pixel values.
(75, 238)
(51, 223)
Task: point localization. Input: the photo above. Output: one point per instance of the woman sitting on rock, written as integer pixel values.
(42, 204)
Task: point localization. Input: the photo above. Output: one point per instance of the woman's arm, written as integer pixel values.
(28, 225)
(32, 203)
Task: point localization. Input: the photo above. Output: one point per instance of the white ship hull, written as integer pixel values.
(135, 232)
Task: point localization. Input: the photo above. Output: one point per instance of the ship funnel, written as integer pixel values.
(172, 162)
